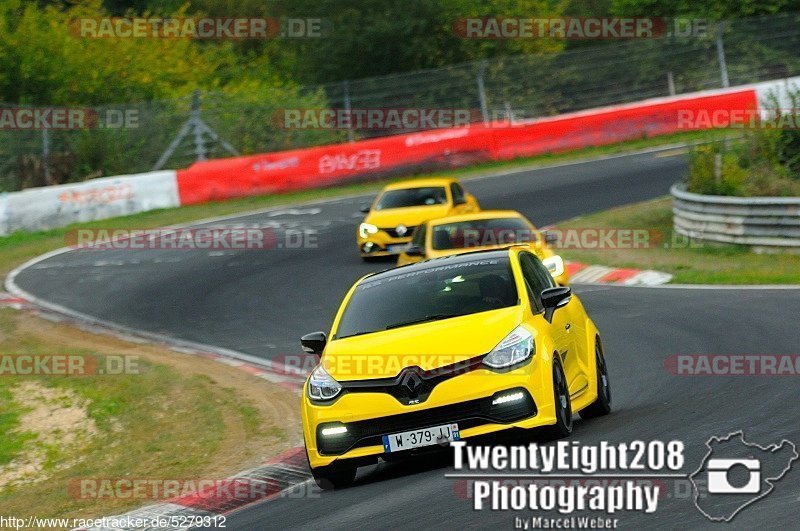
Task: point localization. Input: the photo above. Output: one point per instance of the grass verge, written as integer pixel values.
(690, 263)
(174, 416)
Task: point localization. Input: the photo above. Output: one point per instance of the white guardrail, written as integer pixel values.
(769, 223)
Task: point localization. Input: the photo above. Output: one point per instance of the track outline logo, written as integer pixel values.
(704, 464)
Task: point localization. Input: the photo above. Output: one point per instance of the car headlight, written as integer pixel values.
(554, 264)
(367, 228)
(516, 347)
(322, 386)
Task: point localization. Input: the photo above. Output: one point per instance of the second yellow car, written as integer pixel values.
(489, 229)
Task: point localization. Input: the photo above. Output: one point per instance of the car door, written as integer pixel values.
(565, 334)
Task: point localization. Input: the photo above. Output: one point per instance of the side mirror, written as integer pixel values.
(462, 201)
(364, 209)
(415, 250)
(553, 299)
(314, 343)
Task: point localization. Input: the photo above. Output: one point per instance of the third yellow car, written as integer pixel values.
(401, 206)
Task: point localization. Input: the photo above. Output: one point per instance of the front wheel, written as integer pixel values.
(563, 426)
(601, 406)
(328, 478)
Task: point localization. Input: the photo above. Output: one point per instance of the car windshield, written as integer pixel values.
(481, 233)
(410, 296)
(408, 197)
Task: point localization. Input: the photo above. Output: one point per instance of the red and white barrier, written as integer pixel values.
(299, 169)
(322, 166)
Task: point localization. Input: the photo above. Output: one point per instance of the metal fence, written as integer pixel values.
(175, 133)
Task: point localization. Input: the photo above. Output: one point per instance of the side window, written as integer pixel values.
(536, 277)
(419, 236)
(458, 194)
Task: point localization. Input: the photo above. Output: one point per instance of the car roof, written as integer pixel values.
(483, 214)
(489, 254)
(418, 183)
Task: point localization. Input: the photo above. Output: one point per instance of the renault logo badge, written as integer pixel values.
(412, 382)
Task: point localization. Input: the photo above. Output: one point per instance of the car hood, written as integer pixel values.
(426, 345)
(408, 216)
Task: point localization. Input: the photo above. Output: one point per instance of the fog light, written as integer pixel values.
(335, 430)
(505, 399)
(367, 247)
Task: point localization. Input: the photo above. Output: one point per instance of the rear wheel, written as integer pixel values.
(563, 425)
(601, 406)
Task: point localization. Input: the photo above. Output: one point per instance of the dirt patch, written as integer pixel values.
(56, 420)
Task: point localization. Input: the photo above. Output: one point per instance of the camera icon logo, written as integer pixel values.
(719, 471)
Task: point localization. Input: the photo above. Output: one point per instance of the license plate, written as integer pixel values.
(423, 437)
(397, 248)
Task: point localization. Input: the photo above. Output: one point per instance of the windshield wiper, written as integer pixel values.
(427, 318)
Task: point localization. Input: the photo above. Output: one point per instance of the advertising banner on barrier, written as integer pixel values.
(442, 148)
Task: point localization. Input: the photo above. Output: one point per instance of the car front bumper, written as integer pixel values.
(465, 399)
(381, 244)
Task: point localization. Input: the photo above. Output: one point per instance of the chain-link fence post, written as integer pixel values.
(199, 144)
(346, 90)
(46, 154)
(482, 92)
(723, 65)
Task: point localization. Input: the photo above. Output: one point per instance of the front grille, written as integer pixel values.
(468, 415)
(393, 232)
(413, 385)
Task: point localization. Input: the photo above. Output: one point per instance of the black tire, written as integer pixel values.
(328, 478)
(601, 406)
(563, 426)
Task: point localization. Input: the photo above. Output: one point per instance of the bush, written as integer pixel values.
(764, 162)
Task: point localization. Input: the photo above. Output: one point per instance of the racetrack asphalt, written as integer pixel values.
(260, 302)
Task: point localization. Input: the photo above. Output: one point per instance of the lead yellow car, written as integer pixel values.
(488, 229)
(448, 349)
(400, 207)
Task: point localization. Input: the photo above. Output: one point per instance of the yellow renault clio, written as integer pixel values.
(447, 349)
(400, 207)
(487, 229)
